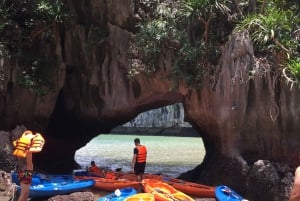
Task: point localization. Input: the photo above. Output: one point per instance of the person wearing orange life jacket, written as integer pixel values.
(139, 159)
(95, 170)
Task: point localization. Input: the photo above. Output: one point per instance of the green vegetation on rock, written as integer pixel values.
(187, 28)
(196, 29)
(275, 31)
(26, 27)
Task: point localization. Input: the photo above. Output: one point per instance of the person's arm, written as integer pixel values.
(134, 158)
(101, 172)
(29, 164)
(295, 193)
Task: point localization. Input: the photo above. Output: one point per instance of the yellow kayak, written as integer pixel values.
(141, 197)
(163, 191)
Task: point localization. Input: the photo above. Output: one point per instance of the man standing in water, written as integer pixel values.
(139, 159)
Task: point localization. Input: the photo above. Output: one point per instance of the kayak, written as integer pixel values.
(50, 185)
(190, 188)
(113, 184)
(108, 184)
(119, 194)
(141, 197)
(224, 193)
(131, 176)
(163, 191)
(37, 178)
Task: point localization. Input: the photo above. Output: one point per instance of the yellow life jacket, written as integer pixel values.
(28, 142)
(22, 145)
(37, 143)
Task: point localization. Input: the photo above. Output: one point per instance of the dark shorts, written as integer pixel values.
(139, 168)
(25, 176)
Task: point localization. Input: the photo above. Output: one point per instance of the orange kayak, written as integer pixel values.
(132, 176)
(111, 184)
(141, 197)
(190, 188)
(163, 191)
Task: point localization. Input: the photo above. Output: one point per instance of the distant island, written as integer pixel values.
(159, 131)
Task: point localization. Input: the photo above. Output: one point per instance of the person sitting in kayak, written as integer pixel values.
(95, 170)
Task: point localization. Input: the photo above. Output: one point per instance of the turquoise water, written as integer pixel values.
(166, 155)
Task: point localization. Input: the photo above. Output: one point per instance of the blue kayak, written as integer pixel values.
(50, 185)
(37, 178)
(119, 194)
(225, 193)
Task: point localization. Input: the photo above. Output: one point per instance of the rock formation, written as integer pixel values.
(245, 120)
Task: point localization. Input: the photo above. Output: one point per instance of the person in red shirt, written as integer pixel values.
(95, 170)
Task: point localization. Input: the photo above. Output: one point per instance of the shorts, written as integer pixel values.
(139, 168)
(25, 176)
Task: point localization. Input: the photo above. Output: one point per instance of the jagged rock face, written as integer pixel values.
(247, 117)
(240, 110)
(241, 119)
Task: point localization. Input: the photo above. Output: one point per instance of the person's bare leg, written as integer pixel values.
(29, 164)
(24, 192)
(26, 187)
(139, 179)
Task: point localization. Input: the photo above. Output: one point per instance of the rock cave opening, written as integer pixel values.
(174, 147)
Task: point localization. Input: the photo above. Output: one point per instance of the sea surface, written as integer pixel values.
(166, 155)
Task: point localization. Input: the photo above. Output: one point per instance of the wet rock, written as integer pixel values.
(267, 179)
(7, 160)
(82, 196)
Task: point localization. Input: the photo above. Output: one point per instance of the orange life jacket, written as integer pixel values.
(37, 143)
(94, 169)
(22, 145)
(142, 154)
(110, 175)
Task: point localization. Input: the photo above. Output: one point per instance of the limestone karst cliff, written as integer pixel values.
(242, 118)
